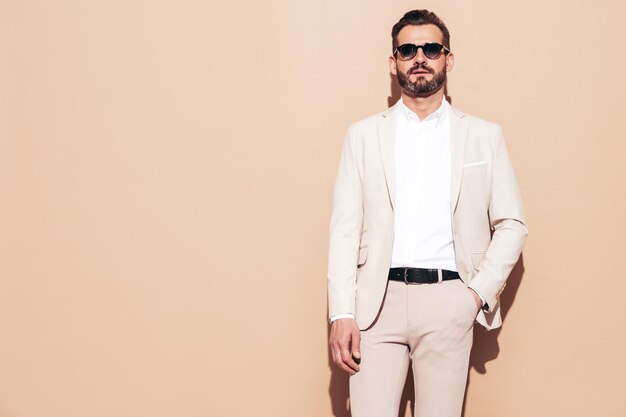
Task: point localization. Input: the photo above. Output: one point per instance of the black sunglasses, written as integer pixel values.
(432, 50)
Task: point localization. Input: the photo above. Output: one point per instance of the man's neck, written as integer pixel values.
(423, 106)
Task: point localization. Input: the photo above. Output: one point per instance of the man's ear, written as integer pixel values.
(392, 65)
(449, 61)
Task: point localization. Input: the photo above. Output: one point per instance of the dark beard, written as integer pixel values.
(421, 87)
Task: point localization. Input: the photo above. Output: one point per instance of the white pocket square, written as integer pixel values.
(472, 164)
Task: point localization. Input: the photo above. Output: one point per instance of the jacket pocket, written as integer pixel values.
(474, 164)
(477, 258)
(362, 255)
(480, 169)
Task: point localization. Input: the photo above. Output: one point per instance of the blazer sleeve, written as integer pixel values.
(345, 230)
(507, 221)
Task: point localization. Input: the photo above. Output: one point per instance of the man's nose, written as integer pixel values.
(419, 56)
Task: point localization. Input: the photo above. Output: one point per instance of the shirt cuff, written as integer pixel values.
(342, 316)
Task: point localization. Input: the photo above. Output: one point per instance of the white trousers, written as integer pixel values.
(428, 327)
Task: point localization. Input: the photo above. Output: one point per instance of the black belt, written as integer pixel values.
(421, 275)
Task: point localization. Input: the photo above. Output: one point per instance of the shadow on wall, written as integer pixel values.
(485, 347)
(395, 91)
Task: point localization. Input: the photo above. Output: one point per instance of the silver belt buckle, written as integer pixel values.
(405, 275)
(439, 276)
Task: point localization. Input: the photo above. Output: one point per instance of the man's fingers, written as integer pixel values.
(339, 361)
(344, 343)
(356, 345)
(343, 358)
(346, 356)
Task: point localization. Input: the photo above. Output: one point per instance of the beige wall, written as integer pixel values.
(166, 172)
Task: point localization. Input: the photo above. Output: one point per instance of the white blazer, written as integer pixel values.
(489, 229)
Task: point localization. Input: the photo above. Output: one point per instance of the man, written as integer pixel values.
(427, 224)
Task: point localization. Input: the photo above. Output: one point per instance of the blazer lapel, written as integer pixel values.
(459, 129)
(386, 144)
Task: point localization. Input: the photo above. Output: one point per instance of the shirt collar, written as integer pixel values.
(438, 115)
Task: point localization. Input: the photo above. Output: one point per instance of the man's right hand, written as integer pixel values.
(345, 341)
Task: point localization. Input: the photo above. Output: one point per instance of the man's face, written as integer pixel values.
(421, 76)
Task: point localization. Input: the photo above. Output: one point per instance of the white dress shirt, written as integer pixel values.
(422, 217)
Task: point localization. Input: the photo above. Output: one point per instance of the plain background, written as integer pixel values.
(166, 170)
